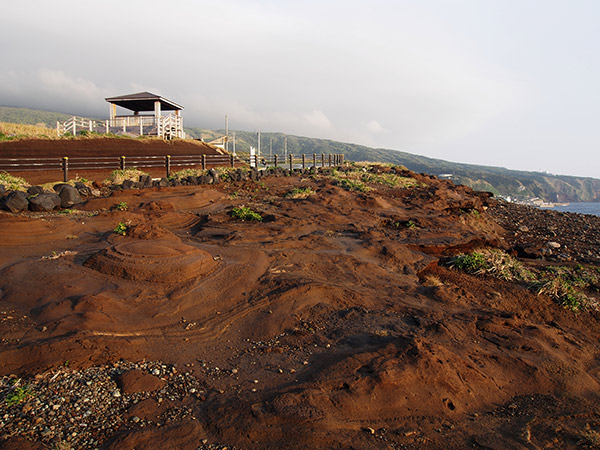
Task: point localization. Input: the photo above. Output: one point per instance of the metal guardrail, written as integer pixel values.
(204, 162)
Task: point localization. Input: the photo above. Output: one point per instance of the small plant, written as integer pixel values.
(18, 395)
(299, 193)
(475, 263)
(121, 229)
(245, 214)
(234, 195)
(66, 211)
(121, 206)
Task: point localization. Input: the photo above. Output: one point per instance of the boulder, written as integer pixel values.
(83, 189)
(192, 180)
(15, 201)
(35, 190)
(205, 179)
(215, 176)
(145, 181)
(254, 175)
(127, 184)
(59, 187)
(2, 189)
(69, 196)
(45, 202)
(163, 182)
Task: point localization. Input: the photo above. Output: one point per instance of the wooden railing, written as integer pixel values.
(168, 127)
(81, 163)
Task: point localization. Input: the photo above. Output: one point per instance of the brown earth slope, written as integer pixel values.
(330, 324)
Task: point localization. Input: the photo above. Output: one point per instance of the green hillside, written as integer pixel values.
(31, 116)
(520, 185)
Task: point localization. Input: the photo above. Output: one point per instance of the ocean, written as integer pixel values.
(582, 208)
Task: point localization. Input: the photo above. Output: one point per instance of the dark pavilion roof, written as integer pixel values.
(143, 101)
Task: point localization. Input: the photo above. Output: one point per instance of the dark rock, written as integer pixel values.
(138, 185)
(15, 201)
(205, 179)
(59, 187)
(2, 189)
(163, 182)
(145, 181)
(83, 189)
(46, 202)
(35, 190)
(174, 182)
(215, 176)
(254, 175)
(127, 184)
(192, 180)
(69, 196)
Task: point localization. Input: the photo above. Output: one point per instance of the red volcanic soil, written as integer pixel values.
(322, 326)
(93, 147)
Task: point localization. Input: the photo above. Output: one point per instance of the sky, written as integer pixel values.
(509, 83)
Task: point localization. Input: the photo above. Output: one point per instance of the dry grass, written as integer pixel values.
(118, 176)
(18, 131)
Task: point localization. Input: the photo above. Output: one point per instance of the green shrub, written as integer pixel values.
(121, 229)
(246, 214)
(18, 395)
(121, 206)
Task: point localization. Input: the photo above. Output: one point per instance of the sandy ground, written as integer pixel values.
(320, 327)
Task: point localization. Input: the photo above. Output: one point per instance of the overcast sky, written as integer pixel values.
(512, 83)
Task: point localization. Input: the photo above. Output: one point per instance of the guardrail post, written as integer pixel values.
(330, 160)
(291, 162)
(232, 162)
(65, 167)
(322, 159)
(315, 161)
(203, 162)
(256, 161)
(342, 159)
(303, 162)
(122, 163)
(168, 165)
(275, 160)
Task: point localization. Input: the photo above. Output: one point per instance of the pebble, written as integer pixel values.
(156, 372)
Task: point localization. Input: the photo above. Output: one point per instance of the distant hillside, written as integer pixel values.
(31, 116)
(520, 185)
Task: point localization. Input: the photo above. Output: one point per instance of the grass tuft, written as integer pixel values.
(246, 214)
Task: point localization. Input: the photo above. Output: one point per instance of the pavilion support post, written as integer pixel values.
(157, 118)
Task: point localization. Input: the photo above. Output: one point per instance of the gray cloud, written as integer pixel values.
(510, 83)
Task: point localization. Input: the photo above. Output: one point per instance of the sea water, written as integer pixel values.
(582, 208)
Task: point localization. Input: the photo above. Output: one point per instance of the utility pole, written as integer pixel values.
(234, 143)
(227, 133)
(258, 143)
(271, 147)
(285, 146)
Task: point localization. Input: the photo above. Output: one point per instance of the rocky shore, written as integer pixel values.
(314, 310)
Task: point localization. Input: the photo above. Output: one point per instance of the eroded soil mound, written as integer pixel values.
(331, 323)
